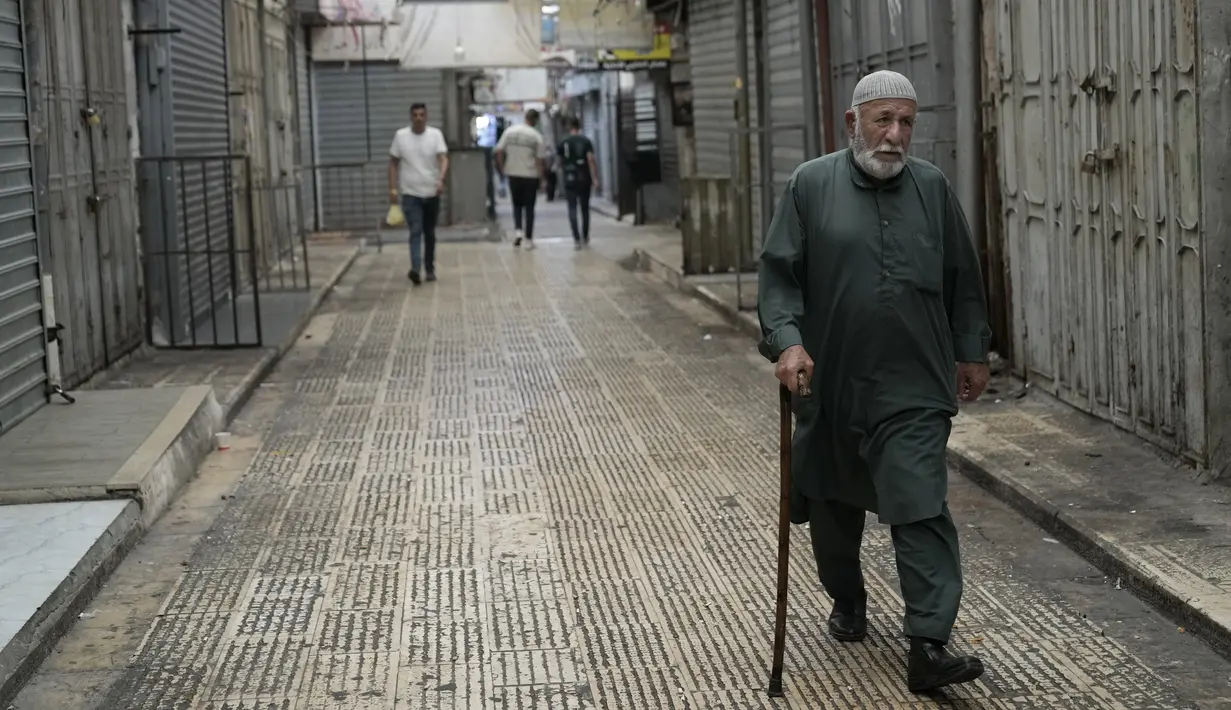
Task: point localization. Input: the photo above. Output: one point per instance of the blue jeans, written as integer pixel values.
(421, 214)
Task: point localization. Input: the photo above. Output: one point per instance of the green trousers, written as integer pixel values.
(929, 565)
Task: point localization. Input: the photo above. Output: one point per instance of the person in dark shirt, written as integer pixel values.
(580, 176)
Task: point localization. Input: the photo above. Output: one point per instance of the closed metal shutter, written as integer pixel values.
(359, 106)
(668, 140)
(916, 40)
(711, 40)
(592, 126)
(786, 87)
(23, 358)
(200, 126)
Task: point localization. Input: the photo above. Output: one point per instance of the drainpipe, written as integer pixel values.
(743, 178)
(765, 138)
(828, 104)
(809, 52)
(967, 87)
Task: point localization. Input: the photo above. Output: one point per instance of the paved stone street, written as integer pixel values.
(548, 482)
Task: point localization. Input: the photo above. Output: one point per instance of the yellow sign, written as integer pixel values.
(661, 50)
(635, 59)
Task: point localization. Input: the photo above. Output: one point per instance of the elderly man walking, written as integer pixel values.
(870, 284)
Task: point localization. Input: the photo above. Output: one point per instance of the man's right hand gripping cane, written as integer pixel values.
(793, 361)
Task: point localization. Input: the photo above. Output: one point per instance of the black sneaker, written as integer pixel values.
(431, 276)
(414, 277)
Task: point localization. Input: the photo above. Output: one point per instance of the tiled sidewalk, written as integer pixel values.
(543, 482)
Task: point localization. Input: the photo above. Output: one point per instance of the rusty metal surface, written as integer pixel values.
(510, 490)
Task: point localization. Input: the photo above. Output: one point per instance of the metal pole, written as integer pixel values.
(266, 225)
(317, 211)
(829, 135)
(226, 69)
(967, 87)
(765, 139)
(743, 175)
(367, 99)
(812, 98)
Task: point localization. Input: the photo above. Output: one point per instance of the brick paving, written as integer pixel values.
(539, 483)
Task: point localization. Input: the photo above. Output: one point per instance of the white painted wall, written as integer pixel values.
(425, 35)
(508, 85)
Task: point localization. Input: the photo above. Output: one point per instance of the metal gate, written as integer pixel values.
(23, 359)
(1100, 181)
(358, 108)
(915, 39)
(188, 228)
(84, 174)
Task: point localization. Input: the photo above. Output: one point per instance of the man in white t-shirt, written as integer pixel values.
(519, 155)
(418, 163)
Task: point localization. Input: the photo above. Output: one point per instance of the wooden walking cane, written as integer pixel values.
(784, 531)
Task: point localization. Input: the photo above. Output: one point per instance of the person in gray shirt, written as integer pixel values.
(519, 155)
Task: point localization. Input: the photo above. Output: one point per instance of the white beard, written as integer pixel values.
(866, 158)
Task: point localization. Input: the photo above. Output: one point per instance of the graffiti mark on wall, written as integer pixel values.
(356, 13)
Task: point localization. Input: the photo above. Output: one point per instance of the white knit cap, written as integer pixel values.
(883, 84)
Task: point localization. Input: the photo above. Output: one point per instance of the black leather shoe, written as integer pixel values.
(849, 622)
(931, 667)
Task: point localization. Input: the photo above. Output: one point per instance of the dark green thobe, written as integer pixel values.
(881, 284)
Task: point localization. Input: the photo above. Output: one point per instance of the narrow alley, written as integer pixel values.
(547, 481)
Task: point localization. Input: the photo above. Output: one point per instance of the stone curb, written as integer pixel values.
(239, 396)
(172, 454)
(1109, 557)
(604, 208)
(23, 655)
(743, 321)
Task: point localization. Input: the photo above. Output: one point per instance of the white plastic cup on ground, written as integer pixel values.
(223, 440)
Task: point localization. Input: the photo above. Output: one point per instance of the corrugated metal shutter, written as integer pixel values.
(711, 40)
(199, 104)
(668, 140)
(592, 126)
(786, 87)
(358, 109)
(305, 128)
(865, 37)
(23, 359)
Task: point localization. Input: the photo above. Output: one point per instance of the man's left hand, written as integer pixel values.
(971, 380)
(440, 187)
